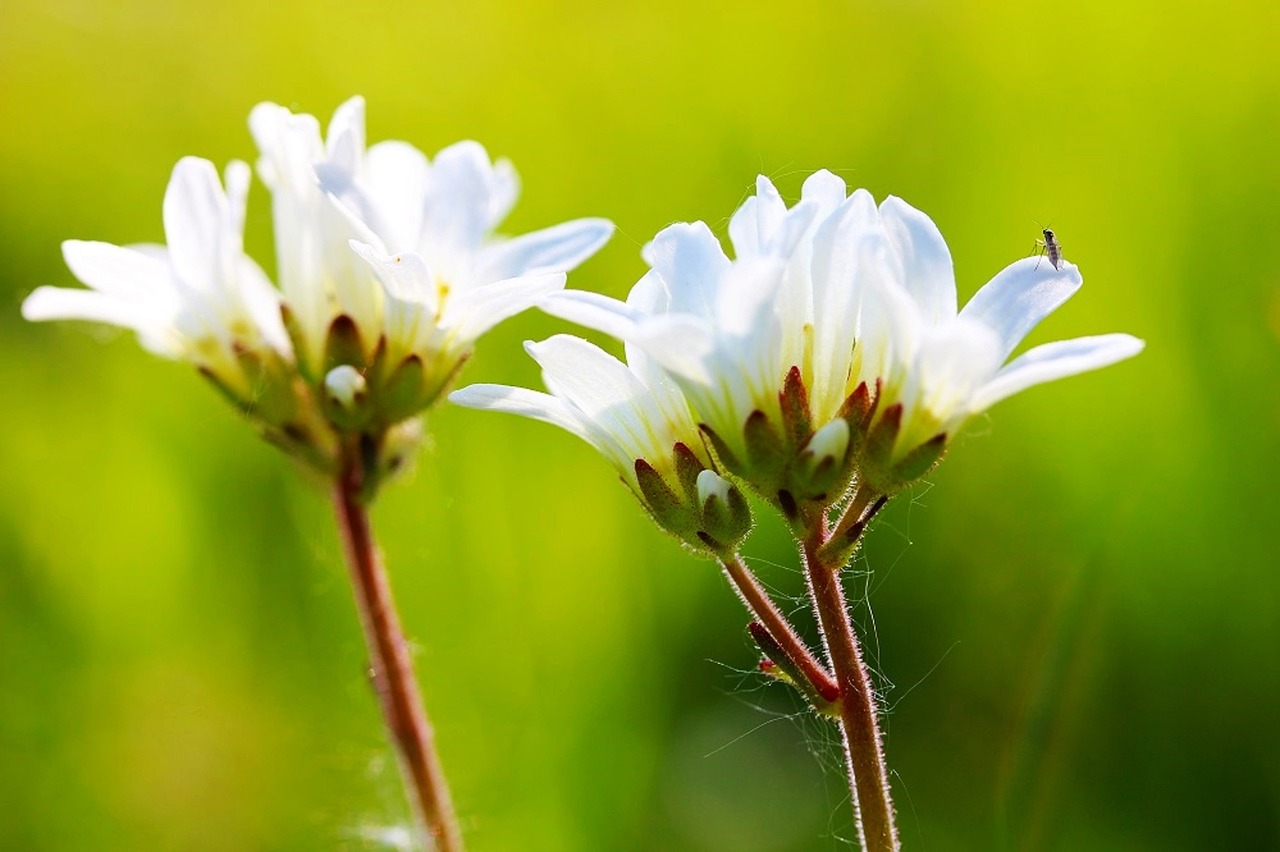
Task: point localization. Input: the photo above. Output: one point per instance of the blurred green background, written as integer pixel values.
(1076, 624)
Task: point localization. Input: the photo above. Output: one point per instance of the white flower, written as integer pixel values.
(637, 419)
(357, 341)
(424, 229)
(761, 344)
(937, 367)
(832, 340)
(198, 299)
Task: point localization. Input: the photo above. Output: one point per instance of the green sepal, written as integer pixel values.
(298, 340)
(241, 404)
(273, 397)
(401, 396)
(435, 386)
(342, 345)
(840, 548)
(814, 479)
(766, 453)
(794, 401)
(688, 466)
(879, 447)
(921, 460)
(720, 449)
(859, 406)
(857, 410)
(670, 512)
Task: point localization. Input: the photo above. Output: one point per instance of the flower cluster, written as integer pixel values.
(388, 272)
(827, 354)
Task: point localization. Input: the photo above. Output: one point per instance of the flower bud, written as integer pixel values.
(702, 509)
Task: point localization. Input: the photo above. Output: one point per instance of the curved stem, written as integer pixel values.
(762, 606)
(392, 669)
(864, 755)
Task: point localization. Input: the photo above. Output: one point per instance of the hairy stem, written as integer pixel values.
(864, 756)
(392, 669)
(762, 606)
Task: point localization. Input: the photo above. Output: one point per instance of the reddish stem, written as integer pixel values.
(758, 601)
(859, 725)
(392, 669)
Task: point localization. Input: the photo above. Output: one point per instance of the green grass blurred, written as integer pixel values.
(1079, 617)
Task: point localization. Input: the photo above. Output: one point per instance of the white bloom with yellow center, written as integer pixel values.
(389, 263)
(428, 236)
(761, 344)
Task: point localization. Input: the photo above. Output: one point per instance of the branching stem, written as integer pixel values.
(762, 606)
(859, 725)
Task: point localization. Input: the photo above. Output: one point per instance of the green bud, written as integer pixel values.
(701, 508)
(346, 400)
(726, 517)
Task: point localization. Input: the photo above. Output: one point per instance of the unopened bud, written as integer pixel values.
(726, 517)
(346, 387)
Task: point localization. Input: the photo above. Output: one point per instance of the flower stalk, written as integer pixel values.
(391, 668)
(784, 636)
(857, 712)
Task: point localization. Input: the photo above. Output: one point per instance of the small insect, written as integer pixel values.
(1049, 247)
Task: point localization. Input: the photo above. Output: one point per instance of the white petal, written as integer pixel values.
(1055, 361)
(748, 294)
(744, 230)
(526, 403)
(504, 189)
(345, 145)
(289, 145)
(405, 276)
(771, 212)
(825, 190)
(647, 297)
(459, 206)
(58, 303)
(682, 344)
(126, 273)
(889, 323)
(1023, 293)
(926, 267)
(197, 222)
(556, 249)
(691, 262)
(396, 177)
(262, 302)
(837, 294)
(595, 310)
(473, 312)
(755, 224)
(584, 375)
(237, 176)
(621, 415)
(787, 239)
(361, 209)
(953, 360)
